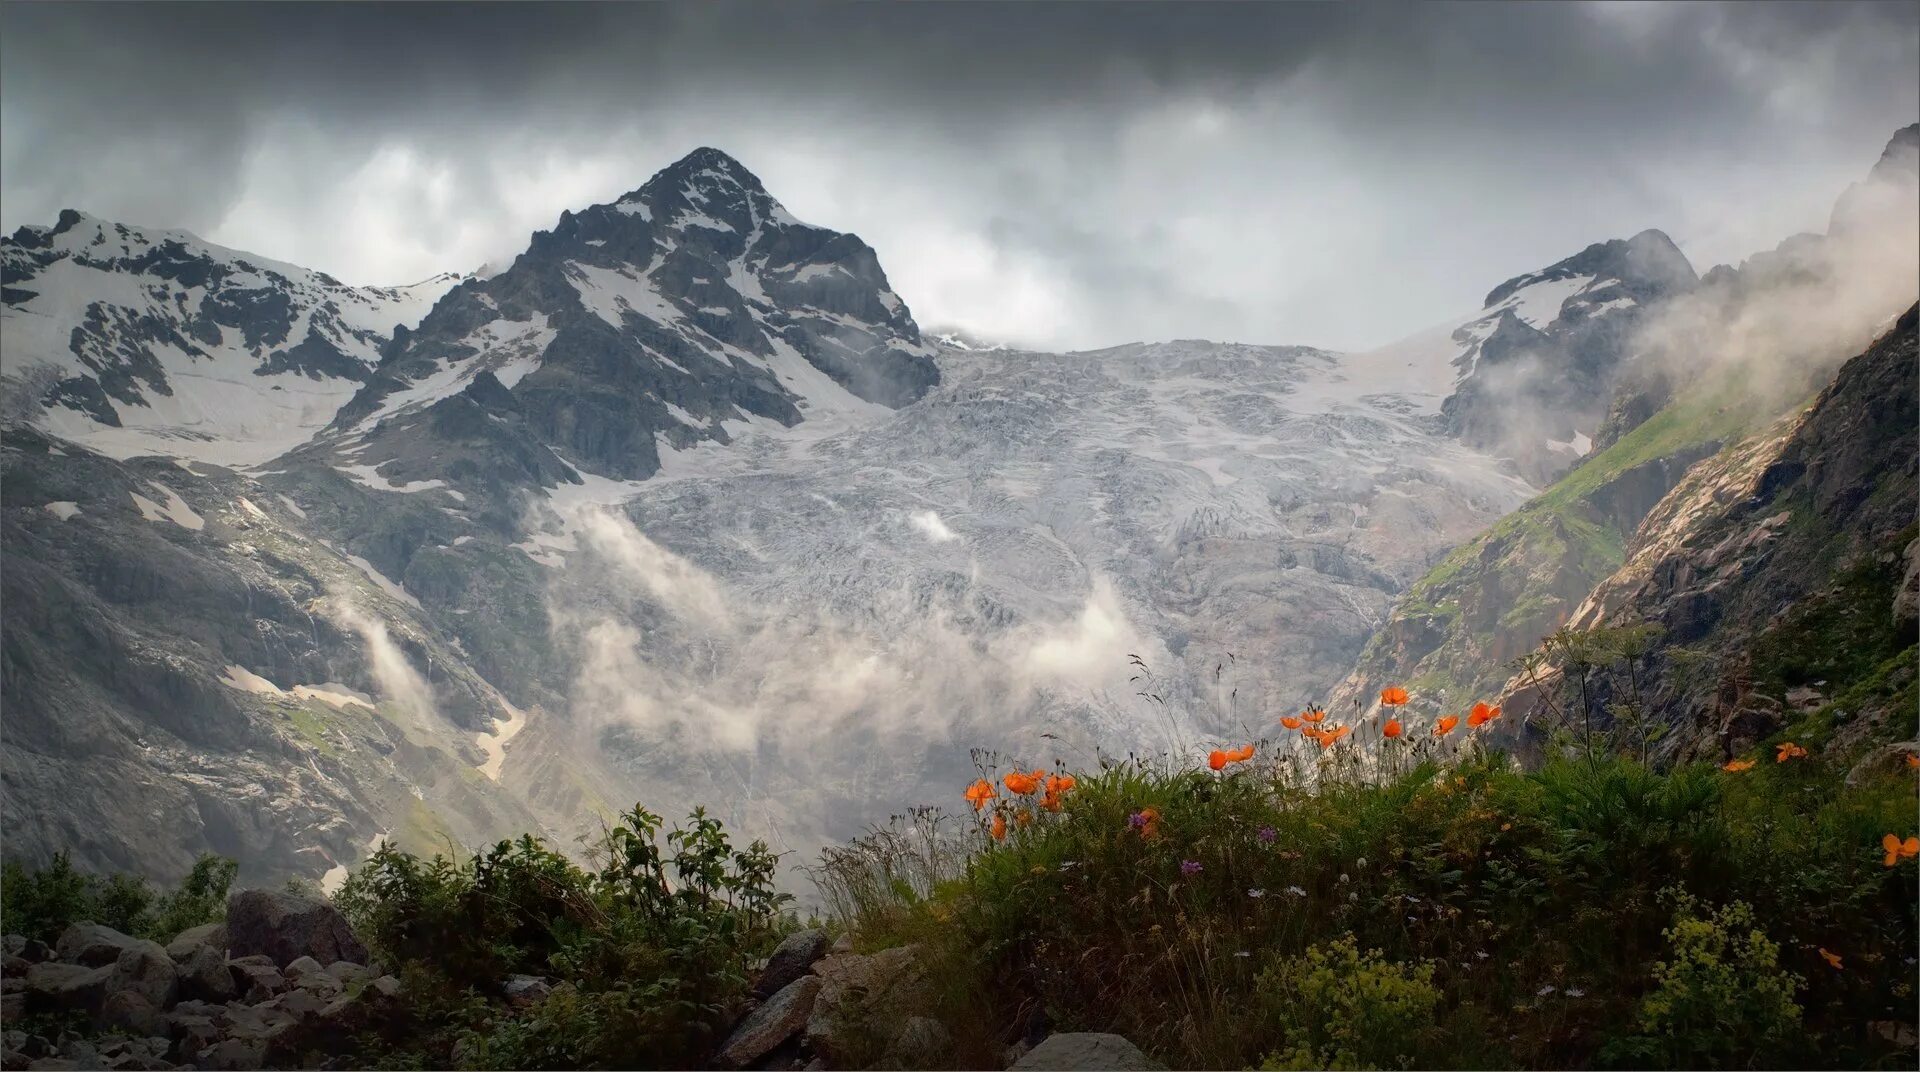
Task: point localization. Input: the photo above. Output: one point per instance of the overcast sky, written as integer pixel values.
(1069, 175)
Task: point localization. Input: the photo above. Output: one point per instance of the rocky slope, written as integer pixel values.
(1713, 364)
(1771, 574)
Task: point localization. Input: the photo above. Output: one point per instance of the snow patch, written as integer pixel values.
(62, 510)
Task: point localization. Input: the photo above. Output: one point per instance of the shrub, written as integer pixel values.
(1337, 1007)
(42, 902)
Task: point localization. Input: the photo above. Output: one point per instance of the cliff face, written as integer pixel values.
(1777, 577)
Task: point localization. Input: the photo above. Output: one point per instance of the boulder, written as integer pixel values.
(130, 1011)
(775, 1021)
(146, 968)
(1086, 1050)
(869, 994)
(204, 975)
(12, 965)
(791, 960)
(284, 926)
(13, 1005)
(56, 986)
(923, 1042)
(91, 944)
(13, 944)
(256, 978)
(524, 991)
(233, 1054)
(348, 973)
(189, 941)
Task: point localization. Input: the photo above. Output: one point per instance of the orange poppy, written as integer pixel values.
(1050, 802)
(1830, 958)
(1481, 715)
(999, 830)
(979, 793)
(1059, 783)
(1737, 765)
(1897, 848)
(1149, 823)
(1023, 818)
(1393, 696)
(1021, 783)
(1327, 737)
(1913, 760)
(1293, 723)
(1788, 750)
(1391, 729)
(1445, 725)
(1313, 714)
(1217, 759)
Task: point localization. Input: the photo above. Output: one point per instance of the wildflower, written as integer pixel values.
(1393, 696)
(1267, 834)
(1023, 818)
(1788, 750)
(1576, 992)
(1292, 722)
(1504, 827)
(1897, 848)
(1831, 958)
(1737, 765)
(1060, 783)
(999, 829)
(1190, 867)
(1021, 782)
(979, 793)
(1913, 760)
(1445, 725)
(1313, 714)
(1295, 891)
(1243, 953)
(1217, 759)
(1481, 955)
(1147, 821)
(1481, 715)
(1544, 991)
(1342, 880)
(1360, 864)
(1391, 729)
(1256, 894)
(1328, 737)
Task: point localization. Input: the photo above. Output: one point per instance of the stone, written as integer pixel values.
(187, 942)
(57, 986)
(775, 1021)
(13, 944)
(793, 959)
(866, 993)
(300, 1003)
(145, 967)
(843, 944)
(302, 966)
(234, 1054)
(205, 975)
(91, 944)
(192, 1032)
(13, 1005)
(52, 1064)
(523, 991)
(256, 978)
(923, 1042)
(1086, 1050)
(284, 926)
(348, 972)
(132, 1011)
(12, 964)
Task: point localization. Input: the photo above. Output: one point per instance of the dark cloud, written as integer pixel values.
(1081, 174)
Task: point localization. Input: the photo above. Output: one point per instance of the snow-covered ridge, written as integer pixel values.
(141, 341)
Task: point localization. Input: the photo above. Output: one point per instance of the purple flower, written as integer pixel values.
(1138, 820)
(1267, 834)
(1189, 867)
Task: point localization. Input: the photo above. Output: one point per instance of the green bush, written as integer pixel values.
(1338, 1007)
(42, 902)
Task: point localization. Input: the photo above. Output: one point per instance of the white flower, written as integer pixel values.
(1256, 893)
(1543, 991)
(1576, 992)
(1296, 891)
(1360, 864)
(1481, 955)
(1343, 878)
(1243, 953)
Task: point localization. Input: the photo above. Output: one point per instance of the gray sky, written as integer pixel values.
(1066, 175)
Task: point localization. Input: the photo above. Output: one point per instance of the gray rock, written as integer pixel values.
(146, 968)
(13, 1005)
(843, 944)
(205, 975)
(286, 926)
(523, 991)
(35, 950)
(869, 993)
(348, 973)
(190, 940)
(91, 944)
(12, 964)
(1086, 1050)
(923, 1042)
(13, 944)
(52, 1064)
(131, 1011)
(192, 1031)
(58, 986)
(301, 967)
(256, 978)
(791, 960)
(234, 1054)
(775, 1021)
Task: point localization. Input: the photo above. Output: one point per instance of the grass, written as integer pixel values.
(1493, 917)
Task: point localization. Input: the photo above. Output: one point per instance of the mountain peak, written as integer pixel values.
(697, 177)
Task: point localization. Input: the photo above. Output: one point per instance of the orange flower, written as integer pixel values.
(979, 793)
(1292, 722)
(1391, 729)
(1445, 725)
(1897, 848)
(1241, 754)
(1023, 818)
(1313, 714)
(999, 829)
(1217, 759)
(1050, 802)
(1737, 765)
(1912, 760)
(1393, 696)
(1147, 821)
(1327, 737)
(1481, 715)
(1059, 783)
(1021, 783)
(1830, 958)
(1788, 750)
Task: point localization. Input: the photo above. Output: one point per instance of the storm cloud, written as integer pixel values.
(1061, 175)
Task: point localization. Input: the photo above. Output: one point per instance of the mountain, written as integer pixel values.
(157, 342)
(1713, 365)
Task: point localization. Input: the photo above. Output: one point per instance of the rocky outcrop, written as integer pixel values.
(1086, 1050)
(793, 958)
(290, 928)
